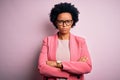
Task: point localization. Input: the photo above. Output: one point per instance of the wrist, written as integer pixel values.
(59, 64)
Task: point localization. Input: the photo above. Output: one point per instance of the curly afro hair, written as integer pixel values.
(61, 8)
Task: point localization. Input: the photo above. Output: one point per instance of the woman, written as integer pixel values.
(64, 56)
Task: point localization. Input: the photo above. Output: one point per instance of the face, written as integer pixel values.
(64, 22)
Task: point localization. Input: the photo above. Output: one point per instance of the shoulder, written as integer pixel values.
(50, 37)
(78, 38)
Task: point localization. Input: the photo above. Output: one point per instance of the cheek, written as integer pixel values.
(60, 28)
(70, 27)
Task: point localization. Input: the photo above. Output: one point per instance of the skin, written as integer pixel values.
(64, 33)
(64, 30)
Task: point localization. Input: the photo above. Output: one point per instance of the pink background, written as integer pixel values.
(24, 23)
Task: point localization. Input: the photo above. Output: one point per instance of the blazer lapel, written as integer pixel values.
(54, 44)
(73, 48)
(72, 45)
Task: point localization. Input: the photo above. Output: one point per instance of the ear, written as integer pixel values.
(72, 24)
(55, 23)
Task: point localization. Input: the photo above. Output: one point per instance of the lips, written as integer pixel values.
(64, 29)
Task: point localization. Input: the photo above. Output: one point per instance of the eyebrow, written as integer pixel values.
(64, 20)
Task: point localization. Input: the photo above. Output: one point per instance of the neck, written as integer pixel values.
(63, 36)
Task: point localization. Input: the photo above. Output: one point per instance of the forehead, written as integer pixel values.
(64, 16)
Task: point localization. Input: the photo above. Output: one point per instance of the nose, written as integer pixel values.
(64, 24)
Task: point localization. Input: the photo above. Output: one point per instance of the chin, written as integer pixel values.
(64, 32)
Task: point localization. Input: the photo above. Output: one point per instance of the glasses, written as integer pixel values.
(67, 22)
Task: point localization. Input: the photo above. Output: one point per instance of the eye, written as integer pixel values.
(68, 21)
(59, 21)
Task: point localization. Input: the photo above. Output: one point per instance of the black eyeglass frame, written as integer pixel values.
(67, 22)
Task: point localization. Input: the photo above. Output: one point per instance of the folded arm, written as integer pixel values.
(82, 65)
(46, 69)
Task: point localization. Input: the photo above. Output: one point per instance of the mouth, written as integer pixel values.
(64, 29)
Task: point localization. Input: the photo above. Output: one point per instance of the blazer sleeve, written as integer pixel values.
(77, 67)
(45, 69)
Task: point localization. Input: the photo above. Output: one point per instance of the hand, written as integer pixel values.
(54, 64)
(51, 63)
(83, 59)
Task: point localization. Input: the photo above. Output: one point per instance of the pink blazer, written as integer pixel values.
(72, 70)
